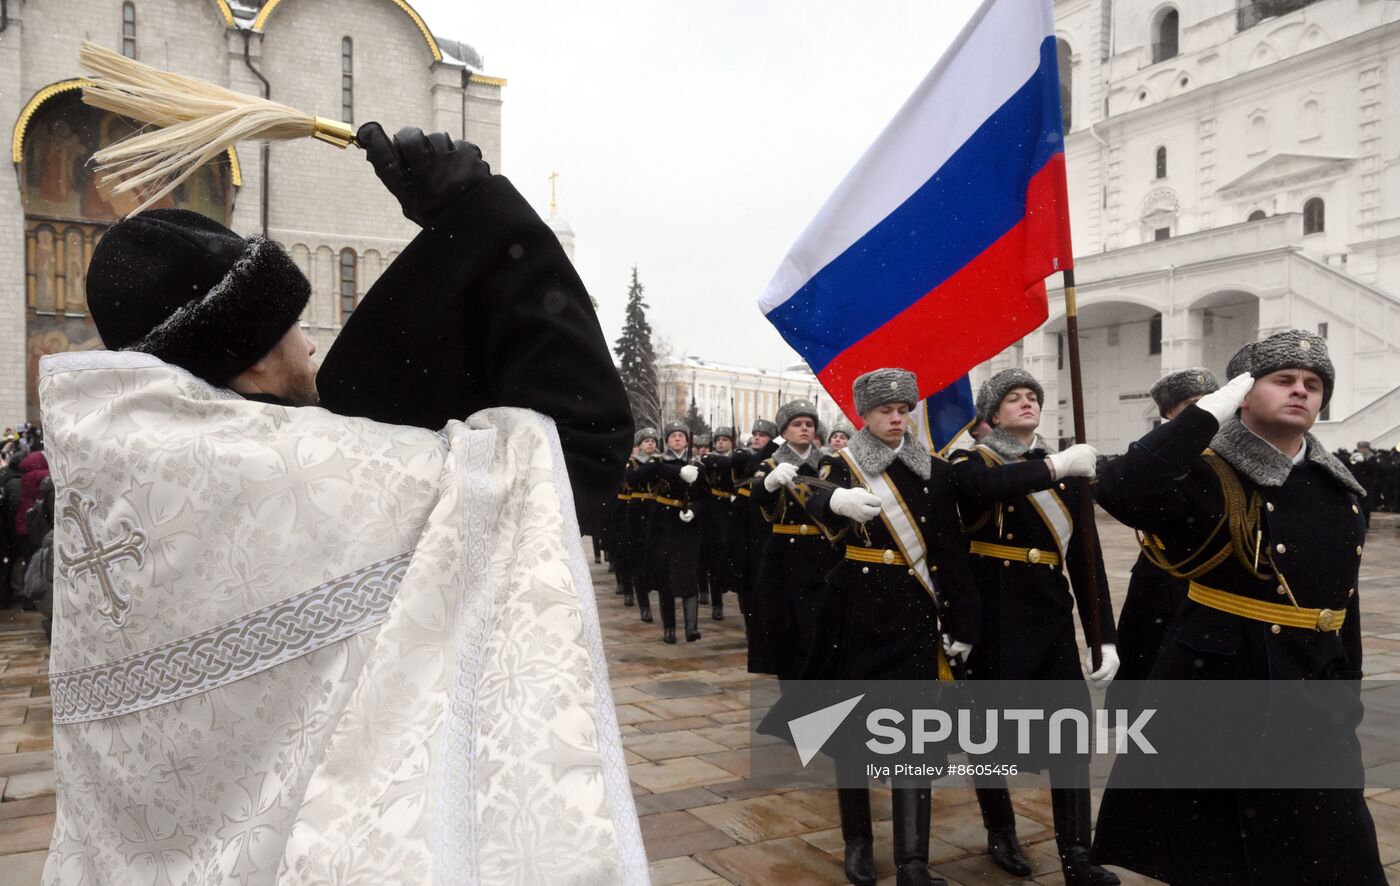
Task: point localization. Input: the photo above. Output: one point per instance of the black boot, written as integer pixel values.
(644, 605)
(854, 804)
(627, 598)
(1000, 821)
(668, 617)
(704, 592)
(1070, 807)
(717, 611)
(911, 818)
(692, 619)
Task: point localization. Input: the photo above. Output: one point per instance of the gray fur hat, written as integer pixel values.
(702, 440)
(672, 428)
(881, 386)
(643, 433)
(724, 432)
(792, 409)
(1290, 349)
(995, 389)
(764, 426)
(842, 428)
(1172, 389)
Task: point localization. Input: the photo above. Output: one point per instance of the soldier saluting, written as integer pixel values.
(1272, 596)
(903, 583)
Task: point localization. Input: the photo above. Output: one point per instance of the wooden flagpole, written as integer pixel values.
(1087, 530)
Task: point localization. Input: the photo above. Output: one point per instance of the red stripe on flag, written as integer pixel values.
(990, 303)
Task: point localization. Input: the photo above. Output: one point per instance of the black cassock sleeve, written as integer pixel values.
(484, 309)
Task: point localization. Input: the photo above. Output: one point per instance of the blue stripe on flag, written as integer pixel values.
(948, 413)
(969, 203)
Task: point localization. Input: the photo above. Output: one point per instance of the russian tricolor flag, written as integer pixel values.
(932, 253)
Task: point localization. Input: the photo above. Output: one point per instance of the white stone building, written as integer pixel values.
(352, 60)
(756, 393)
(1234, 170)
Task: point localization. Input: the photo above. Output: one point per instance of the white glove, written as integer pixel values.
(1079, 460)
(780, 476)
(1104, 675)
(1223, 403)
(687, 515)
(856, 504)
(956, 651)
(689, 473)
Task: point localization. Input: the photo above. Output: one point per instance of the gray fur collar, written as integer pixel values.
(642, 457)
(1006, 444)
(668, 455)
(874, 457)
(1258, 460)
(786, 455)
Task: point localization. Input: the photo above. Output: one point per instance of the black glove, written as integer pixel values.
(425, 173)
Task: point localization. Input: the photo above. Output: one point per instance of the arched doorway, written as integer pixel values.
(1226, 320)
(65, 214)
(1120, 348)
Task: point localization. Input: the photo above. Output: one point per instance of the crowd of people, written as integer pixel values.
(26, 521)
(872, 558)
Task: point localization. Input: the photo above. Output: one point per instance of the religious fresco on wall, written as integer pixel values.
(66, 213)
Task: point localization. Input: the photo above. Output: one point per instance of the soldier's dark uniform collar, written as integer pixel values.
(874, 457)
(786, 455)
(1261, 462)
(1010, 448)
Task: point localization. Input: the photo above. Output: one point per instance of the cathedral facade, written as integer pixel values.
(1234, 170)
(351, 60)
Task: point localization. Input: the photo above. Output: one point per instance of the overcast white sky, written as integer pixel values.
(695, 140)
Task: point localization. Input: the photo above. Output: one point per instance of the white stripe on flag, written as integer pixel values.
(996, 53)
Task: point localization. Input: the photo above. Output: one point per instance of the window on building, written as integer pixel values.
(129, 30)
(1154, 334)
(1162, 162)
(1314, 221)
(1066, 68)
(1113, 336)
(1322, 329)
(1252, 12)
(347, 283)
(1256, 215)
(1165, 36)
(347, 80)
(1060, 351)
(1162, 234)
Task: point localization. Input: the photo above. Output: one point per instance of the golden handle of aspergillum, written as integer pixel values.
(333, 132)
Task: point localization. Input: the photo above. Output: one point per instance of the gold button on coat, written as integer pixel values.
(1281, 548)
(1033, 555)
(888, 556)
(1358, 550)
(1269, 506)
(1274, 629)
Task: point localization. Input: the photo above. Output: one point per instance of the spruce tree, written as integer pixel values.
(637, 359)
(695, 421)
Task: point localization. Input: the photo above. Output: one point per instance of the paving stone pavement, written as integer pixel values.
(684, 716)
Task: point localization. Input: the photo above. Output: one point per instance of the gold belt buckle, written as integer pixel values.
(1033, 555)
(1326, 620)
(802, 529)
(887, 557)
